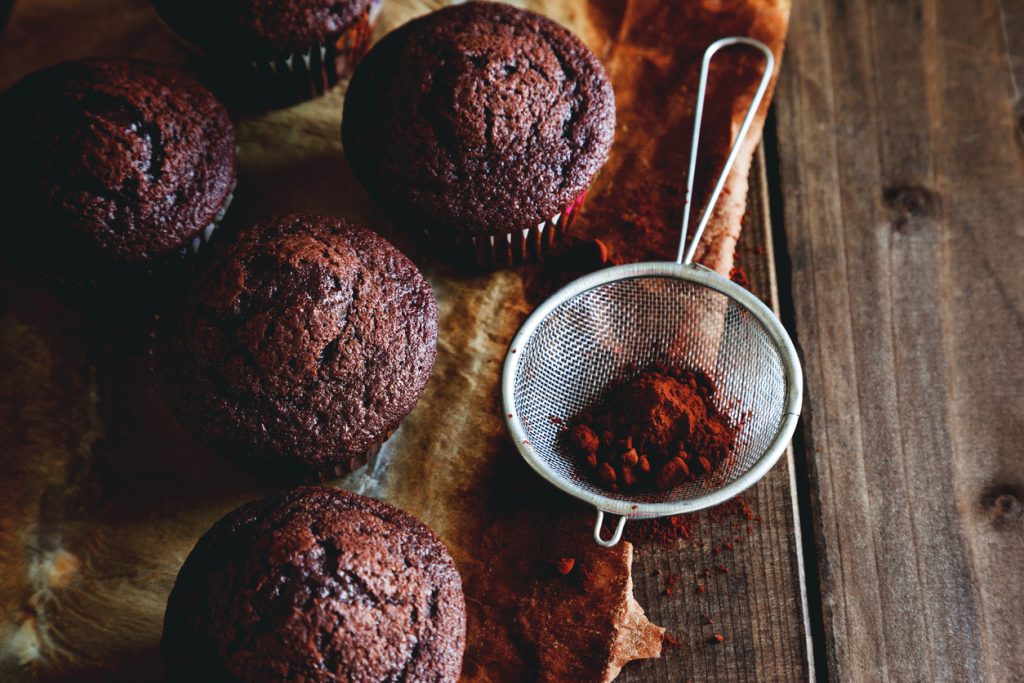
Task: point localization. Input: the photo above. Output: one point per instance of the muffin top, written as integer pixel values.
(480, 118)
(254, 28)
(304, 341)
(316, 584)
(113, 160)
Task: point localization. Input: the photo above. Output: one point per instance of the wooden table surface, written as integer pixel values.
(886, 224)
(900, 242)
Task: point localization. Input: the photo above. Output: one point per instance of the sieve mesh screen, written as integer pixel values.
(606, 334)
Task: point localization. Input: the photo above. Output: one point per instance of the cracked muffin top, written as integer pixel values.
(479, 118)
(112, 161)
(305, 342)
(316, 584)
(251, 28)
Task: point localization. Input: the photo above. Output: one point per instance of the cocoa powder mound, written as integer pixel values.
(656, 410)
(655, 431)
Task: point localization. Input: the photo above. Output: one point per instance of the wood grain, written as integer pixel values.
(902, 173)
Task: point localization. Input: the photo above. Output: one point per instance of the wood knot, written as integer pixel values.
(1006, 505)
(909, 202)
(1003, 504)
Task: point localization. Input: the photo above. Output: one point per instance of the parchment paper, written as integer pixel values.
(103, 494)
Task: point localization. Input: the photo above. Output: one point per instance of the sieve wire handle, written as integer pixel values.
(685, 254)
(616, 535)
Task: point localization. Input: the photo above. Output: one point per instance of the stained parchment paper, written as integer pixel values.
(102, 494)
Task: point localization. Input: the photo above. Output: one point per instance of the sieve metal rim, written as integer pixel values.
(691, 273)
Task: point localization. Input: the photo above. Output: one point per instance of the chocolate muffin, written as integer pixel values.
(316, 584)
(482, 124)
(111, 163)
(286, 50)
(302, 343)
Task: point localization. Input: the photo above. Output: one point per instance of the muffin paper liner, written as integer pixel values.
(306, 74)
(202, 238)
(342, 469)
(514, 248)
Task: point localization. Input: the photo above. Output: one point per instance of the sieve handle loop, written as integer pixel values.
(616, 536)
(685, 253)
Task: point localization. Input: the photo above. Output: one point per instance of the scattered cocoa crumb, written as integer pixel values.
(737, 507)
(739, 276)
(700, 587)
(670, 640)
(665, 530)
(670, 583)
(565, 565)
(721, 568)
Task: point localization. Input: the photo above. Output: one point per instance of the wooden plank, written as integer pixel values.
(901, 171)
(758, 605)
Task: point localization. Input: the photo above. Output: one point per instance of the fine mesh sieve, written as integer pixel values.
(604, 327)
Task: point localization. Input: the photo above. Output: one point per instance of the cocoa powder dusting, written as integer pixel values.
(733, 519)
